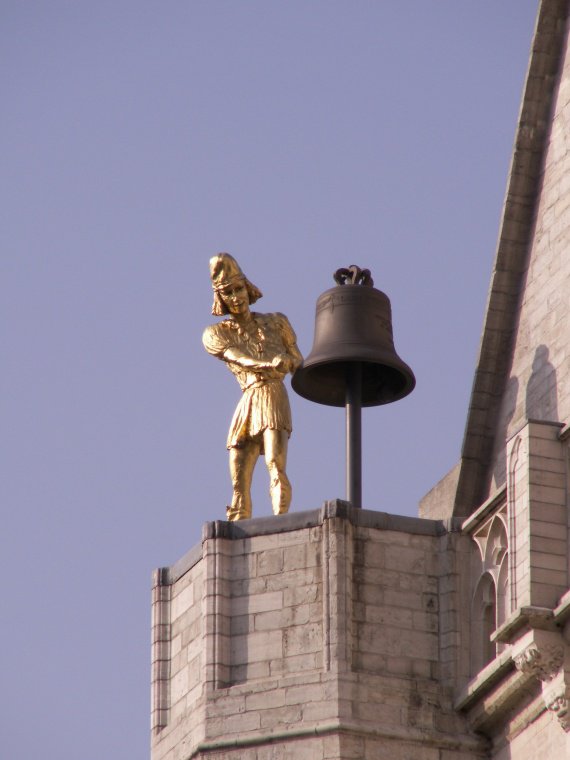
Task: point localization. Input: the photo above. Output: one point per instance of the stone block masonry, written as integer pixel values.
(318, 634)
(539, 515)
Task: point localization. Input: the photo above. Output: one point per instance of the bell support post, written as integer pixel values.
(354, 434)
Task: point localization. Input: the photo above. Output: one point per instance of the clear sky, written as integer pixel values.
(140, 138)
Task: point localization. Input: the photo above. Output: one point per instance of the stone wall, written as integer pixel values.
(323, 634)
(343, 633)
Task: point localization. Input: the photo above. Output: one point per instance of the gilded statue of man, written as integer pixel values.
(259, 349)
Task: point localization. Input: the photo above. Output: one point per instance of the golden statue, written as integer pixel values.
(260, 349)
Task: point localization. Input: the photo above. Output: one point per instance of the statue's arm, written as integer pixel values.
(244, 360)
(296, 356)
(290, 342)
(216, 342)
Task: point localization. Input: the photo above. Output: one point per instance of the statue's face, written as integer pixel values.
(235, 297)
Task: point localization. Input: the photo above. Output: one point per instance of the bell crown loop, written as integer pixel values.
(353, 275)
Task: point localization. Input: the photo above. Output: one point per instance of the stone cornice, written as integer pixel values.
(336, 508)
(525, 618)
(495, 500)
(562, 611)
(534, 666)
(491, 675)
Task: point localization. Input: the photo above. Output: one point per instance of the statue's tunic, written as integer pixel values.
(264, 403)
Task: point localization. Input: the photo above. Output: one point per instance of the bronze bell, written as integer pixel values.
(353, 323)
(353, 362)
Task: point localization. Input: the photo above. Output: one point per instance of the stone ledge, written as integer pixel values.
(184, 564)
(490, 698)
(408, 735)
(497, 499)
(484, 681)
(261, 526)
(541, 618)
(336, 508)
(533, 421)
(419, 526)
(562, 611)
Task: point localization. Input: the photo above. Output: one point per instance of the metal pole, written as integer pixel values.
(354, 434)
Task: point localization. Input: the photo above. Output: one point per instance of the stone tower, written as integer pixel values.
(347, 634)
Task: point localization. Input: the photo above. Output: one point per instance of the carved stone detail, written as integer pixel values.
(542, 663)
(560, 706)
(556, 695)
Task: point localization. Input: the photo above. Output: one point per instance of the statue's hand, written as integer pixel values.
(282, 363)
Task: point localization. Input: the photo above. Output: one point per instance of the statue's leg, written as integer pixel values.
(275, 445)
(242, 462)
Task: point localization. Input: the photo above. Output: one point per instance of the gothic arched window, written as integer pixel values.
(490, 602)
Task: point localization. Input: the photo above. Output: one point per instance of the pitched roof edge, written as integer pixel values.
(511, 259)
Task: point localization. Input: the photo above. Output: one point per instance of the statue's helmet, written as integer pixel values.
(224, 271)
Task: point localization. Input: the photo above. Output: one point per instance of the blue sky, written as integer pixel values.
(139, 139)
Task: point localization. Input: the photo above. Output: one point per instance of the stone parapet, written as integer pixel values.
(319, 634)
